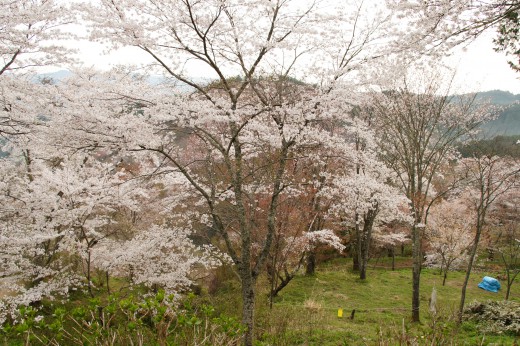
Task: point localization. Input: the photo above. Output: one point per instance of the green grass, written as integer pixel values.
(305, 313)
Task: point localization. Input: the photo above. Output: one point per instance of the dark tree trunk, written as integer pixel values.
(416, 271)
(248, 309)
(283, 282)
(355, 258)
(107, 277)
(508, 290)
(365, 239)
(472, 255)
(89, 284)
(310, 268)
(393, 258)
(363, 272)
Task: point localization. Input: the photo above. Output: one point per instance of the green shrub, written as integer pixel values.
(154, 320)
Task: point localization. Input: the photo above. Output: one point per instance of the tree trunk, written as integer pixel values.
(89, 284)
(359, 249)
(284, 282)
(310, 268)
(468, 270)
(393, 258)
(416, 271)
(362, 258)
(107, 277)
(445, 276)
(248, 309)
(508, 290)
(365, 239)
(355, 261)
(363, 270)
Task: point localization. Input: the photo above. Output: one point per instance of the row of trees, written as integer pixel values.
(109, 171)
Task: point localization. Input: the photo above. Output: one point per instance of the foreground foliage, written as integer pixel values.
(132, 320)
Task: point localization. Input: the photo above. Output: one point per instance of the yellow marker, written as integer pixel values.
(340, 312)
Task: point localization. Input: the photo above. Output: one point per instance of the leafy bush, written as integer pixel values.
(495, 317)
(132, 320)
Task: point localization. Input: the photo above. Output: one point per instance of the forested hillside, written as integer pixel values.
(508, 121)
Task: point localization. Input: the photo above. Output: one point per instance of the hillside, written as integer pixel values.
(508, 121)
(498, 97)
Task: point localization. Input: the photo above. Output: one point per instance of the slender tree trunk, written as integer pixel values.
(509, 281)
(310, 267)
(89, 285)
(472, 255)
(272, 277)
(508, 290)
(284, 281)
(393, 258)
(359, 249)
(366, 238)
(416, 271)
(107, 277)
(28, 162)
(362, 255)
(363, 270)
(248, 309)
(445, 276)
(355, 260)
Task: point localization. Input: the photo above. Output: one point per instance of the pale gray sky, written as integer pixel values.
(478, 67)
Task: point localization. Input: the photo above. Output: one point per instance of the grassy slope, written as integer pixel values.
(305, 313)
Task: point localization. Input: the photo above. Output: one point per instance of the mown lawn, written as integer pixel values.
(306, 311)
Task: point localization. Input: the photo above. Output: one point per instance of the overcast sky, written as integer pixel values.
(478, 67)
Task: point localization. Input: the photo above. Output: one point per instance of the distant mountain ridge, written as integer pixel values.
(498, 97)
(508, 121)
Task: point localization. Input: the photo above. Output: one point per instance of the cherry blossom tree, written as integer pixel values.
(418, 125)
(507, 245)
(26, 256)
(488, 178)
(441, 25)
(363, 196)
(390, 237)
(160, 256)
(30, 37)
(449, 236)
(289, 256)
(66, 189)
(503, 235)
(30, 30)
(221, 148)
(246, 125)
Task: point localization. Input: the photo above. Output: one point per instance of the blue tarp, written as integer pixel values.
(489, 284)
